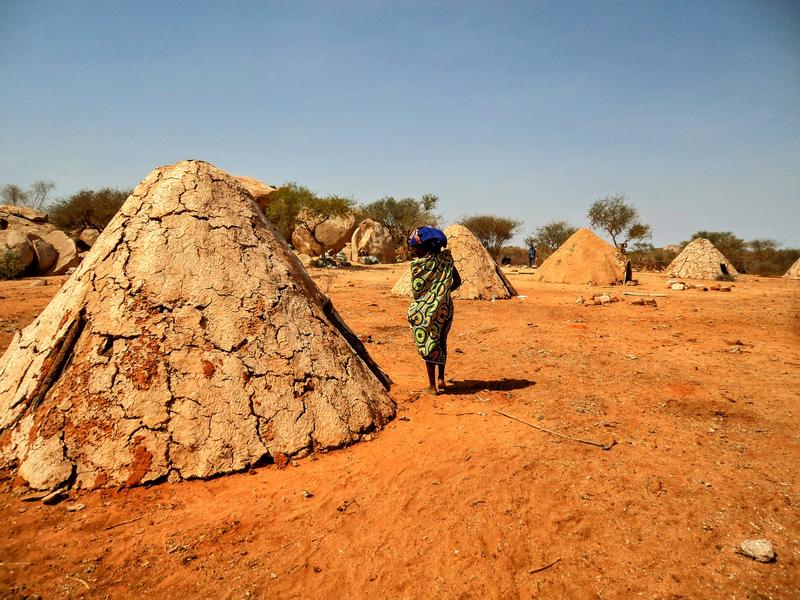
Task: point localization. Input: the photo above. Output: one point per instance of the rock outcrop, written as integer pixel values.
(585, 259)
(89, 237)
(700, 260)
(259, 190)
(46, 254)
(68, 253)
(189, 343)
(15, 241)
(481, 277)
(372, 239)
(316, 234)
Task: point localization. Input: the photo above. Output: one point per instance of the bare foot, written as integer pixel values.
(442, 386)
(433, 391)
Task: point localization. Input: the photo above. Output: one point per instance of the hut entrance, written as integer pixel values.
(723, 268)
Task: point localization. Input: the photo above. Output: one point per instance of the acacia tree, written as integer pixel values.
(13, 195)
(618, 219)
(492, 231)
(39, 194)
(403, 216)
(549, 237)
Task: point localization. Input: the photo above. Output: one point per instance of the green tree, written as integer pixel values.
(549, 237)
(403, 216)
(618, 219)
(13, 195)
(88, 209)
(287, 201)
(492, 231)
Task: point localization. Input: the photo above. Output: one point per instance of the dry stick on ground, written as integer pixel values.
(540, 569)
(607, 446)
(651, 294)
(78, 579)
(121, 523)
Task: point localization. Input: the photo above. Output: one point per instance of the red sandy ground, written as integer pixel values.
(453, 500)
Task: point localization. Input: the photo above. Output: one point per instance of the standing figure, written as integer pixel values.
(531, 256)
(433, 278)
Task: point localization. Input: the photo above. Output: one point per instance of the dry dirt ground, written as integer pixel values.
(452, 499)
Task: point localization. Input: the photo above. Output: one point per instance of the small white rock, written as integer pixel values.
(760, 550)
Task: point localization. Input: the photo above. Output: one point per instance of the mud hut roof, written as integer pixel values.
(700, 260)
(584, 259)
(481, 277)
(189, 343)
(794, 270)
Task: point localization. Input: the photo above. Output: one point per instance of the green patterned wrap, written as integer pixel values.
(431, 312)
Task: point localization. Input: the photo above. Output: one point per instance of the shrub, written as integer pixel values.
(287, 201)
(645, 257)
(87, 209)
(10, 266)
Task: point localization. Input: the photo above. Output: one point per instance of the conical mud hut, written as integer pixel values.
(481, 277)
(700, 260)
(189, 343)
(794, 271)
(585, 259)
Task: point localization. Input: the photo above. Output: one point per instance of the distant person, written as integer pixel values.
(531, 256)
(433, 278)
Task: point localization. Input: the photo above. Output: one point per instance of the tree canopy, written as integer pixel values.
(403, 216)
(618, 219)
(88, 209)
(549, 237)
(492, 231)
(287, 201)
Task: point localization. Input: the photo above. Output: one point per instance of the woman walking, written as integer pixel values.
(433, 278)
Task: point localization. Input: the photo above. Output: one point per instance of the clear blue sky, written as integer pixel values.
(524, 109)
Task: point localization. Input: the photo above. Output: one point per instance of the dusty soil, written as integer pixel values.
(454, 500)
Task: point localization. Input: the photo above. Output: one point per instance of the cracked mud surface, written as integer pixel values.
(189, 343)
(481, 278)
(452, 500)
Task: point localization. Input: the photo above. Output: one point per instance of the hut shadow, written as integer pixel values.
(471, 386)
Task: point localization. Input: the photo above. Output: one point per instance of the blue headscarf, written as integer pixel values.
(428, 238)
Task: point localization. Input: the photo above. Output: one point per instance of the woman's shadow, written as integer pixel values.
(470, 386)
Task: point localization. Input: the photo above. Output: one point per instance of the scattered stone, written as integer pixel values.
(75, 507)
(678, 286)
(55, 496)
(307, 494)
(760, 549)
(38, 283)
